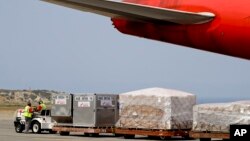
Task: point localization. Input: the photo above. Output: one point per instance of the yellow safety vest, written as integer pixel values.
(27, 113)
(43, 106)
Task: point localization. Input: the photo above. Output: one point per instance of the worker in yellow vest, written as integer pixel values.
(41, 106)
(28, 111)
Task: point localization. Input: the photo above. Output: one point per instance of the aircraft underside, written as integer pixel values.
(213, 25)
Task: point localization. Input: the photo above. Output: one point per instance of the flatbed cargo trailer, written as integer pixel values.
(207, 136)
(91, 131)
(130, 133)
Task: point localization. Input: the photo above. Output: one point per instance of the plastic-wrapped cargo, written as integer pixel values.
(218, 117)
(156, 108)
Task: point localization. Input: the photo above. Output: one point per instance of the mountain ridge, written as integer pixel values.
(21, 97)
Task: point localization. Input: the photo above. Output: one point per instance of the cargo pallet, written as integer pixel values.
(207, 136)
(90, 131)
(162, 134)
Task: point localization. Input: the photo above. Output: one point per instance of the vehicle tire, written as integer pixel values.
(19, 128)
(164, 137)
(129, 136)
(153, 137)
(188, 138)
(52, 132)
(63, 133)
(86, 134)
(205, 139)
(36, 127)
(118, 135)
(94, 134)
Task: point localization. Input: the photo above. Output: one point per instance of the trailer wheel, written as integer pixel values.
(129, 136)
(36, 127)
(153, 137)
(63, 133)
(93, 134)
(164, 137)
(19, 128)
(52, 132)
(118, 135)
(205, 139)
(86, 134)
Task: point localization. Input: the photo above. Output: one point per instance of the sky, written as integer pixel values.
(44, 46)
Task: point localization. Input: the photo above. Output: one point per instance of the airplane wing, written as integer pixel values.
(139, 12)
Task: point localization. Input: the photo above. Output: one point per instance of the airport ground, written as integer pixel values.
(7, 133)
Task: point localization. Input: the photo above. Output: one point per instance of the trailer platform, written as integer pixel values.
(207, 136)
(130, 133)
(92, 131)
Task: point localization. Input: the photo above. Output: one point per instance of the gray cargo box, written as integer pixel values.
(61, 110)
(95, 110)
